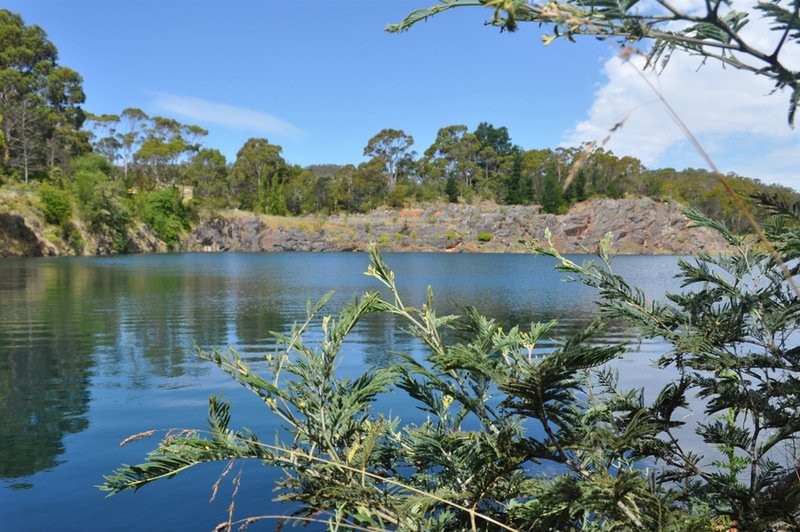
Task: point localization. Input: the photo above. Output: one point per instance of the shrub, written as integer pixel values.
(484, 237)
(163, 210)
(73, 237)
(451, 190)
(57, 204)
(89, 172)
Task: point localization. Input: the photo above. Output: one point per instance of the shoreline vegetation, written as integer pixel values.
(636, 226)
(77, 183)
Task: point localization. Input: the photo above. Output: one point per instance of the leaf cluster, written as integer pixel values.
(733, 336)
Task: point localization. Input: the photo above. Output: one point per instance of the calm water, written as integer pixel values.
(95, 349)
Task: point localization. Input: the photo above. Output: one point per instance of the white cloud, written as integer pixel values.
(734, 114)
(227, 115)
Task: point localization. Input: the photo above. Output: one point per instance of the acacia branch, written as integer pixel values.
(572, 17)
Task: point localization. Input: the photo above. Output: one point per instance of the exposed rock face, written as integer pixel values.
(638, 226)
(144, 240)
(251, 233)
(21, 238)
(141, 239)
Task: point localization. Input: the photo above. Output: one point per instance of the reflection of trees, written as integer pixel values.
(205, 309)
(255, 321)
(160, 312)
(45, 364)
(132, 322)
(258, 310)
(43, 396)
(158, 323)
(384, 340)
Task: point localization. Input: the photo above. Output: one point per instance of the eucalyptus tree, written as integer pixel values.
(454, 156)
(130, 136)
(207, 172)
(104, 135)
(495, 157)
(368, 187)
(257, 176)
(392, 148)
(306, 191)
(605, 174)
(344, 180)
(536, 177)
(167, 146)
(39, 100)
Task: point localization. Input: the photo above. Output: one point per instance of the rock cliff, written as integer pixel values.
(642, 225)
(21, 237)
(24, 233)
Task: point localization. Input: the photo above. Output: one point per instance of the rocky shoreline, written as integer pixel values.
(638, 226)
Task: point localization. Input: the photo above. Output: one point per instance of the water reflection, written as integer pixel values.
(92, 350)
(45, 366)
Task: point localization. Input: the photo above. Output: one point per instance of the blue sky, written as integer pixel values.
(321, 77)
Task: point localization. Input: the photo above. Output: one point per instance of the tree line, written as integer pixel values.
(111, 168)
(460, 165)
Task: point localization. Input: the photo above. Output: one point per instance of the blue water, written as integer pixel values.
(93, 350)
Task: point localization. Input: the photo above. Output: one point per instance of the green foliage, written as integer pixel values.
(109, 210)
(257, 172)
(483, 236)
(366, 186)
(73, 237)
(734, 346)
(451, 189)
(520, 437)
(103, 203)
(552, 195)
(208, 174)
(392, 148)
(56, 202)
(165, 212)
(39, 101)
(703, 191)
(164, 146)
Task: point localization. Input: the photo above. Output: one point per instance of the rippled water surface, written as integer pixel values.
(93, 350)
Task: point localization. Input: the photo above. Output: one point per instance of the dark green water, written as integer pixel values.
(93, 350)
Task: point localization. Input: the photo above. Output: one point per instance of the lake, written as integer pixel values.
(93, 350)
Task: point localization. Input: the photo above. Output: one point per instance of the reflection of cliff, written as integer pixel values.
(45, 365)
